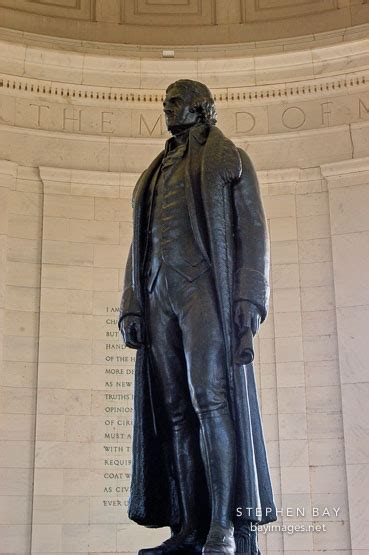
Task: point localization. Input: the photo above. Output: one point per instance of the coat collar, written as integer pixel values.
(199, 132)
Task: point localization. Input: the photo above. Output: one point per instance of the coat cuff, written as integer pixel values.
(251, 285)
(128, 305)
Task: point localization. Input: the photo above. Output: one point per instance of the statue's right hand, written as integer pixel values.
(132, 330)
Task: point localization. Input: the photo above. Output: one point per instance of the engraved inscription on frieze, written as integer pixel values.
(239, 119)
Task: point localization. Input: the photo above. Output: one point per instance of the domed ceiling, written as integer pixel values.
(181, 22)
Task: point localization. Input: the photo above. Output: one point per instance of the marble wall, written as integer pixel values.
(70, 152)
(299, 367)
(348, 193)
(21, 221)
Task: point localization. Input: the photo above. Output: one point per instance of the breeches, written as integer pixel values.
(187, 346)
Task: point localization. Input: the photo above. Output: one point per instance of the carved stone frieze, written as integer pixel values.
(242, 111)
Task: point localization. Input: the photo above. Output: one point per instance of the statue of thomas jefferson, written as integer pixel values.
(196, 290)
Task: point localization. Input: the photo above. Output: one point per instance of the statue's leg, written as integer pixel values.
(218, 448)
(170, 375)
(204, 346)
(190, 481)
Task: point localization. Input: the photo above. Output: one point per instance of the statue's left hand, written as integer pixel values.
(246, 315)
(132, 330)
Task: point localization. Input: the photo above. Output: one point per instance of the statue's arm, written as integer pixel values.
(130, 313)
(251, 265)
(129, 303)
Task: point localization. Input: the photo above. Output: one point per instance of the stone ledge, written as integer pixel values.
(300, 90)
(334, 172)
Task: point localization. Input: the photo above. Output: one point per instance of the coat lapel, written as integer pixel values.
(138, 210)
(220, 161)
(193, 190)
(144, 180)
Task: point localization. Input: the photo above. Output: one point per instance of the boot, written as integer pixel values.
(219, 455)
(192, 546)
(189, 478)
(247, 540)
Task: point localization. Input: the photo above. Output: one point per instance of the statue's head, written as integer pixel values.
(186, 103)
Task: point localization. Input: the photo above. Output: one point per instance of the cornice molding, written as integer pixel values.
(333, 172)
(248, 95)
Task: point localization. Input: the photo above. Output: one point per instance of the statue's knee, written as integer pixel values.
(204, 402)
(178, 414)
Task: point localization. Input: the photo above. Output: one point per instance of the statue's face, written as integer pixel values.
(178, 110)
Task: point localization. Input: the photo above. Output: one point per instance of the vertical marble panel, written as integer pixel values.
(85, 373)
(280, 352)
(348, 185)
(299, 363)
(19, 279)
(7, 178)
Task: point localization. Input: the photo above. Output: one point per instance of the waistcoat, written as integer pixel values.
(171, 239)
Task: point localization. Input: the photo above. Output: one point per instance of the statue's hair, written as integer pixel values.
(203, 101)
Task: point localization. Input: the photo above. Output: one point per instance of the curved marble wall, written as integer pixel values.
(76, 129)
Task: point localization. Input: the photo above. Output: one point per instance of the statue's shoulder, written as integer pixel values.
(245, 159)
(249, 177)
(223, 155)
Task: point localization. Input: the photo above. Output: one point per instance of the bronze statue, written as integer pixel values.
(196, 290)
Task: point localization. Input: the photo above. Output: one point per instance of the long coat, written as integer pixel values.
(229, 226)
